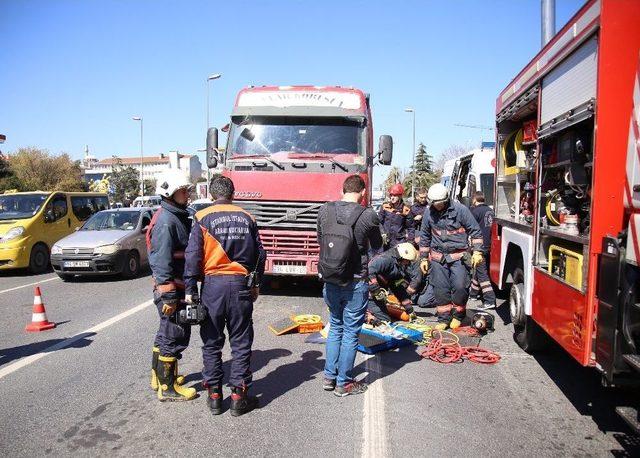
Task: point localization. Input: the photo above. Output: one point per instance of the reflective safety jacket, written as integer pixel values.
(445, 234)
(484, 216)
(167, 238)
(414, 229)
(395, 220)
(224, 241)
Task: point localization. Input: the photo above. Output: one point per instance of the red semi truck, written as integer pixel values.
(566, 236)
(289, 149)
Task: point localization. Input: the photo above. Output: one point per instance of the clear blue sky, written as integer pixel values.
(74, 72)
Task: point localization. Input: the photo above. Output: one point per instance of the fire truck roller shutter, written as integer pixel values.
(571, 83)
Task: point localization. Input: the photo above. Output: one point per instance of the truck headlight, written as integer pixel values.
(12, 233)
(56, 249)
(106, 249)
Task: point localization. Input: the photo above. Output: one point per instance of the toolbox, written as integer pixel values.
(566, 264)
(376, 340)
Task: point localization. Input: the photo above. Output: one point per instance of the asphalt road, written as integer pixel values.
(90, 395)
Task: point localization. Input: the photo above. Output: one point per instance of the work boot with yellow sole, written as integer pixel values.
(154, 376)
(168, 388)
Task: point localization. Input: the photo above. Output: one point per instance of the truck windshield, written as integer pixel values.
(271, 135)
(112, 220)
(21, 206)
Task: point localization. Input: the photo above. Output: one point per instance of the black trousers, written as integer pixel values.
(171, 338)
(481, 284)
(229, 305)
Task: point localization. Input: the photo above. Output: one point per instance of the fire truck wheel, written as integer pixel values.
(516, 299)
(530, 337)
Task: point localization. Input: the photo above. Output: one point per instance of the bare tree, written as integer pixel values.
(451, 152)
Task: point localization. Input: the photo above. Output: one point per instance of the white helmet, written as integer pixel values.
(407, 251)
(170, 181)
(438, 193)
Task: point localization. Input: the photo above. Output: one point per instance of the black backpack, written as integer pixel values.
(338, 247)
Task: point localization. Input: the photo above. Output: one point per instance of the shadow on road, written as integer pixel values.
(389, 362)
(288, 377)
(8, 355)
(582, 387)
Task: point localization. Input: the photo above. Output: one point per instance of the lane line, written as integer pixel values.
(374, 424)
(71, 340)
(30, 284)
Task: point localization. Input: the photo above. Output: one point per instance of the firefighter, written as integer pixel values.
(397, 272)
(167, 238)
(416, 212)
(444, 243)
(480, 283)
(395, 219)
(226, 255)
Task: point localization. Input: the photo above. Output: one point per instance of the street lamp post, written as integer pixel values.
(413, 162)
(139, 118)
(212, 77)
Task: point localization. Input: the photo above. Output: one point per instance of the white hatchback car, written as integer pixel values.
(110, 242)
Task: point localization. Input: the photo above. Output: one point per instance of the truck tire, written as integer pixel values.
(39, 259)
(527, 333)
(516, 298)
(131, 267)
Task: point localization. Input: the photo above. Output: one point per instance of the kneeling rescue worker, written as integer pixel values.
(167, 238)
(226, 255)
(393, 272)
(444, 234)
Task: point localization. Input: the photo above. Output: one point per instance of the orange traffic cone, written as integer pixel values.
(39, 316)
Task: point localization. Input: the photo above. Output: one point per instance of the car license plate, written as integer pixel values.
(77, 264)
(289, 269)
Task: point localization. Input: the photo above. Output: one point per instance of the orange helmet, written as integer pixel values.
(396, 190)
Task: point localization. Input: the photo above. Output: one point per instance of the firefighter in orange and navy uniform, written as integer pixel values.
(395, 218)
(167, 238)
(226, 255)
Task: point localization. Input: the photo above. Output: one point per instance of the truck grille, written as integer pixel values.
(289, 243)
(290, 215)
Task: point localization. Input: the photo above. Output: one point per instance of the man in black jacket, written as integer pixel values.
(347, 302)
(480, 283)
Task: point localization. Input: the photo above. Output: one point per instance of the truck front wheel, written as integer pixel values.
(526, 332)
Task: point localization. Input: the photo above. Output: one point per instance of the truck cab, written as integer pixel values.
(288, 151)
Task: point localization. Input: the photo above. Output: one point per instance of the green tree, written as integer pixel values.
(35, 169)
(124, 182)
(395, 176)
(424, 161)
(149, 186)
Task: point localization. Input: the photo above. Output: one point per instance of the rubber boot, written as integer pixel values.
(168, 388)
(154, 375)
(214, 399)
(241, 402)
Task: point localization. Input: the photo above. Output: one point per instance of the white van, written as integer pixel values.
(473, 171)
(147, 201)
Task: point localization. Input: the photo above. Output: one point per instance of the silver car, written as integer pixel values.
(110, 242)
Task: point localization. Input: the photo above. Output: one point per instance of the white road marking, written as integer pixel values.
(67, 342)
(374, 425)
(30, 284)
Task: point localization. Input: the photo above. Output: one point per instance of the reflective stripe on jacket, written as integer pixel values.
(448, 231)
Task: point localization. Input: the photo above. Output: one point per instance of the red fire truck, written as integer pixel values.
(289, 149)
(567, 193)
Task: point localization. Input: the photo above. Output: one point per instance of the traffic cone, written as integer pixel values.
(39, 316)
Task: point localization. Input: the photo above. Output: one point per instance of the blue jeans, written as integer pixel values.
(347, 305)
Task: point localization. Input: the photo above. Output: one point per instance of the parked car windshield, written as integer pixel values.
(20, 206)
(270, 135)
(112, 220)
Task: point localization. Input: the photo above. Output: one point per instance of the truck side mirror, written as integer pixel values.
(385, 149)
(212, 148)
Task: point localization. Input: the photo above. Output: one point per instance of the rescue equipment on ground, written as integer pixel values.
(445, 348)
(39, 320)
(483, 322)
(566, 264)
(302, 324)
(386, 337)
